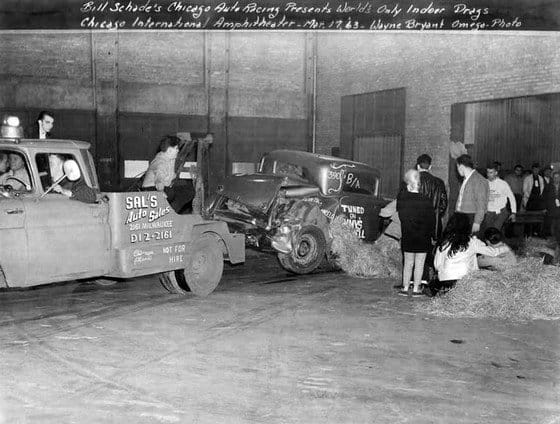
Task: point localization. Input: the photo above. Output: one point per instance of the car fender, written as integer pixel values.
(309, 213)
(233, 243)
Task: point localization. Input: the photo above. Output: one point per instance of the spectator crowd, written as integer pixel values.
(436, 257)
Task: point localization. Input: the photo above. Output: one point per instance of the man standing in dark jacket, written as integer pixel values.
(433, 188)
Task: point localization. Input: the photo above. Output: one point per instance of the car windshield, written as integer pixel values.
(282, 168)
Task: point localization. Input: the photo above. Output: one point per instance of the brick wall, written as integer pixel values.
(266, 79)
(437, 70)
(157, 71)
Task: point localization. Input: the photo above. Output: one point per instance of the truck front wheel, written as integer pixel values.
(308, 251)
(203, 271)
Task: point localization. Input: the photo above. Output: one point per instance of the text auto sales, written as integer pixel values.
(143, 219)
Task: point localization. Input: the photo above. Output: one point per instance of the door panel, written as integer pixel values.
(371, 131)
(67, 239)
(13, 242)
(361, 212)
(383, 153)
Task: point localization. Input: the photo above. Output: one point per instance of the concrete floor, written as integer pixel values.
(266, 347)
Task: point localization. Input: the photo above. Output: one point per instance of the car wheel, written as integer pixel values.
(308, 251)
(203, 271)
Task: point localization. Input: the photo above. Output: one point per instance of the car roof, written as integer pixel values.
(48, 143)
(301, 158)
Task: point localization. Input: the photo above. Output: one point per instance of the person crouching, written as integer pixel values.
(493, 238)
(456, 253)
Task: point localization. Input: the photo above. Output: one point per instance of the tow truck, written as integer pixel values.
(48, 237)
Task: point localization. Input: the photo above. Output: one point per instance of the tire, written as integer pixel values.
(203, 271)
(308, 252)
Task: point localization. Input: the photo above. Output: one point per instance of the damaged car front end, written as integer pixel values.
(259, 205)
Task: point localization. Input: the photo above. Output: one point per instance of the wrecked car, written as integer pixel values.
(287, 205)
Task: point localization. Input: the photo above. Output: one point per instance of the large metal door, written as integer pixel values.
(383, 152)
(371, 131)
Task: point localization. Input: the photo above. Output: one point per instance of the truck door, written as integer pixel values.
(13, 242)
(67, 239)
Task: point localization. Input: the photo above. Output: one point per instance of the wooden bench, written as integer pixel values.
(522, 219)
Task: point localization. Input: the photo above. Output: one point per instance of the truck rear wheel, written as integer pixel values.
(308, 251)
(203, 271)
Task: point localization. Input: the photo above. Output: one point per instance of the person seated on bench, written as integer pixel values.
(504, 260)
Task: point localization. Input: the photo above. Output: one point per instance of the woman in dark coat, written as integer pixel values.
(417, 217)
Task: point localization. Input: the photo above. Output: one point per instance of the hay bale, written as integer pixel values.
(360, 259)
(528, 290)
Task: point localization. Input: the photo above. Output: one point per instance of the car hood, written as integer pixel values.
(256, 191)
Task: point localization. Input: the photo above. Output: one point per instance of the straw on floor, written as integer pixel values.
(360, 259)
(526, 291)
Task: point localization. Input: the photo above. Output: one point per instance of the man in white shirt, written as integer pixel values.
(499, 192)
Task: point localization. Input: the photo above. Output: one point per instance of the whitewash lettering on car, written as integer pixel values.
(337, 173)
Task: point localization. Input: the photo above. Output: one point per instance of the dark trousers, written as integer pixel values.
(471, 221)
(518, 200)
(547, 226)
(428, 264)
(556, 229)
(495, 220)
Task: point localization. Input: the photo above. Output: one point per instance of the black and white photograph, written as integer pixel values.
(273, 211)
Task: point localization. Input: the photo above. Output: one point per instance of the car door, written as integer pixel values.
(13, 241)
(67, 239)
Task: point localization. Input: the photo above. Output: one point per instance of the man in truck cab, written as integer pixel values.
(62, 172)
(78, 190)
(17, 176)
